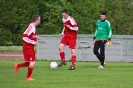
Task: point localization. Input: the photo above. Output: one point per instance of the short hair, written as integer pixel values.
(103, 13)
(65, 11)
(35, 18)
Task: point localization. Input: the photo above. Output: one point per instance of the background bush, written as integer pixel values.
(16, 14)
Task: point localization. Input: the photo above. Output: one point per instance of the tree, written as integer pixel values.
(16, 14)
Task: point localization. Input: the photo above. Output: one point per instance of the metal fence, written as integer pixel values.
(121, 49)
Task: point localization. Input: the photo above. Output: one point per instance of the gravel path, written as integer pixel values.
(11, 56)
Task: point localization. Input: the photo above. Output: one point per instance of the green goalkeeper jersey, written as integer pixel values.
(103, 30)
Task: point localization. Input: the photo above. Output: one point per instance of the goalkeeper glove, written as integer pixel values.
(109, 43)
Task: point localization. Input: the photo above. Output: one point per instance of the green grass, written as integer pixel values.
(86, 75)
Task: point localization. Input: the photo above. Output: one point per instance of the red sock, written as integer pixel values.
(25, 64)
(62, 56)
(30, 69)
(73, 59)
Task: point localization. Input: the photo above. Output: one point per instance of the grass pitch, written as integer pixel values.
(86, 75)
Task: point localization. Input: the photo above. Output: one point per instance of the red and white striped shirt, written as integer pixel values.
(71, 33)
(29, 36)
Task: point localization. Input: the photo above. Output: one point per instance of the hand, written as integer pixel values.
(37, 37)
(34, 43)
(93, 41)
(109, 43)
(68, 26)
(61, 35)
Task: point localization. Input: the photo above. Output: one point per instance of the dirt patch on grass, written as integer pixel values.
(11, 56)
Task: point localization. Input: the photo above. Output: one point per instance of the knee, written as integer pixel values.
(102, 54)
(73, 51)
(60, 48)
(32, 63)
(95, 52)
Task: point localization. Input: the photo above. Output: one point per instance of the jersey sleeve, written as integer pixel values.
(95, 31)
(95, 34)
(74, 24)
(26, 34)
(109, 30)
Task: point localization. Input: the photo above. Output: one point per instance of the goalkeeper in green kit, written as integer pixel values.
(102, 37)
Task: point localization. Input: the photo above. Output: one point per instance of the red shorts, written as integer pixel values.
(29, 54)
(71, 42)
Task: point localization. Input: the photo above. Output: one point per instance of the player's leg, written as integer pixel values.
(95, 50)
(62, 55)
(31, 59)
(72, 45)
(73, 57)
(17, 66)
(61, 51)
(102, 52)
(24, 64)
(30, 70)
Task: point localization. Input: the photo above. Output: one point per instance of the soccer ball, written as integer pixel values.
(53, 65)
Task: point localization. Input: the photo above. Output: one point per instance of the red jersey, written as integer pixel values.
(29, 36)
(71, 33)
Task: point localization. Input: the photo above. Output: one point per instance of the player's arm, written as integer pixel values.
(26, 34)
(95, 35)
(74, 25)
(93, 41)
(110, 31)
(109, 35)
(26, 39)
(63, 31)
(95, 32)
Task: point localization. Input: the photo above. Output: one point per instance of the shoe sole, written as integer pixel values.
(29, 79)
(71, 69)
(100, 67)
(61, 65)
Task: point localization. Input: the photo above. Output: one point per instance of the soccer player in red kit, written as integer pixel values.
(69, 38)
(29, 37)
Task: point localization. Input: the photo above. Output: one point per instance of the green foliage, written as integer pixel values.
(6, 37)
(16, 15)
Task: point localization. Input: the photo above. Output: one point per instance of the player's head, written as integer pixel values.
(103, 16)
(36, 19)
(65, 14)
